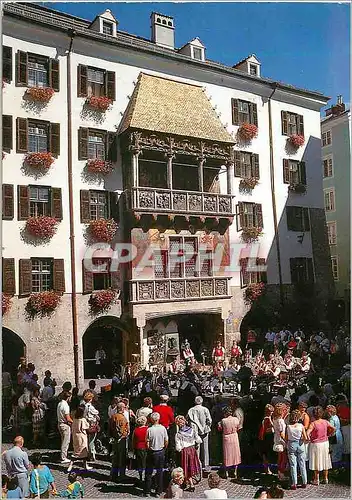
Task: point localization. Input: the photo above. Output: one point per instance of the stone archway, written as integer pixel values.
(109, 333)
(13, 348)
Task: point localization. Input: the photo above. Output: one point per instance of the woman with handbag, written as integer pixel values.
(295, 436)
(79, 430)
(279, 439)
(319, 458)
(335, 440)
(40, 478)
(91, 414)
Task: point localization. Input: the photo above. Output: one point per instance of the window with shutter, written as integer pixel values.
(7, 202)
(38, 137)
(255, 166)
(59, 275)
(253, 115)
(244, 112)
(234, 105)
(42, 274)
(111, 146)
(295, 218)
(284, 123)
(7, 63)
(96, 144)
(56, 203)
(22, 135)
(258, 215)
(301, 270)
(237, 163)
(25, 277)
(85, 206)
(82, 82)
(38, 71)
(95, 82)
(39, 201)
(6, 133)
(101, 274)
(98, 205)
(83, 143)
(160, 264)
(23, 202)
(240, 215)
(110, 85)
(54, 131)
(8, 276)
(21, 68)
(54, 74)
(87, 279)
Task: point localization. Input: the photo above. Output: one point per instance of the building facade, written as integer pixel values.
(208, 176)
(336, 156)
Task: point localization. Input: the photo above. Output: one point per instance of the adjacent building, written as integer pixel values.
(109, 137)
(336, 156)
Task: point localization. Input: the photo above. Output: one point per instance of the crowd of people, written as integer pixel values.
(268, 402)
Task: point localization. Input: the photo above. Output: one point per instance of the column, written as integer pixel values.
(230, 168)
(135, 176)
(200, 174)
(170, 157)
(141, 346)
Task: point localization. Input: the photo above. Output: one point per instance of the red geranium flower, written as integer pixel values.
(39, 160)
(102, 300)
(40, 94)
(6, 303)
(97, 166)
(253, 292)
(103, 229)
(99, 103)
(296, 140)
(42, 303)
(42, 227)
(251, 234)
(248, 131)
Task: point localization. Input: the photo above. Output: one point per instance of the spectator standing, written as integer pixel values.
(147, 409)
(157, 442)
(319, 458)
(266, 437)
(200, 418)
(40, 478)
(38, 416)
(279, 438)
(231, 446)
(166, 412)
(139, 444)
(186, 440)
(119, 430)
(296, 435)
(64, 422)
(17, 464)
(335, 440)
(91, 414)
(79, 430)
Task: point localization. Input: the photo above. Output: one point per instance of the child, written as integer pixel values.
(74, 489)
(41, 478)
(13, 490)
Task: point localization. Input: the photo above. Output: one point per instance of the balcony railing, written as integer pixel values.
(156, 200)
(177, 289)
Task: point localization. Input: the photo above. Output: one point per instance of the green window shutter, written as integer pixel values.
(21, 69)
(284, 123)
(234, 106)
(54, 74)
(82, 81)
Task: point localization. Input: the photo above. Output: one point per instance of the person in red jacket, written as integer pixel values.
(139, 443)
(167, 417)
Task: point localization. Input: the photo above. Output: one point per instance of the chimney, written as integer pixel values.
(162, 30)
(337, 109)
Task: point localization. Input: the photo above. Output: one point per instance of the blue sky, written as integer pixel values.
(303, 44)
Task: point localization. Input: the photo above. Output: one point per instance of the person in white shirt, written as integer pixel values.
(214, 483)
(64, 422)
(200, 418)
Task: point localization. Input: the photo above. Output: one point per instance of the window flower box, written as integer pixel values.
(247, 131)
(103, 229)
(101, 300)
(253, 292)
(297, 188)
(39, 160)
(42, 303)
(251, 234)
(43, 227)
(247, 184)
(296, 140)
(6, 303)
(40, 94)
(99, 103)
(97, 166)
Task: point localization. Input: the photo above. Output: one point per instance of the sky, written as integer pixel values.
(303, 44)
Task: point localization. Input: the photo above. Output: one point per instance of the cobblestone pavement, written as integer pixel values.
(97, 484)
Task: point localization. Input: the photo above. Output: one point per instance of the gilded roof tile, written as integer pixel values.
(168, 106)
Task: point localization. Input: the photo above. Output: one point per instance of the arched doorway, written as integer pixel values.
(13, 348)
(107, 333)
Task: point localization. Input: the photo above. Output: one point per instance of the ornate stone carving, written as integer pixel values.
(146, 199)
(224, 204)
(195, 203)
(161, 290)
(210, 203)
(163, 200)
(221, 287)
(145, 290)
(207, 288)
(177, 289)
(192, 289)
(179, 201)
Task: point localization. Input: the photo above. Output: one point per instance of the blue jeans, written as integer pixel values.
(155, 460)
(296, 454)
(23, 483)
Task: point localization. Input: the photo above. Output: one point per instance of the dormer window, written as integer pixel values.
(253, 69)
(197, 54)
(108, 28)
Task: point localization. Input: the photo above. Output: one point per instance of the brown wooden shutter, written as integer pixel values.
(255, 165)
(59, 275)
(54, 131)
(310, 271)
(22, 135)
(56, 203)
(237, 163)
(300, 126)
(302, 173)
(110, 84)
(306, 220)
(113, 206)
(87, 279)
(284, 123)
(54, 74)
(7, 133)
(253, 115)
(240, 215)
(25, 281)
(258, 215)
(111, 146)
(7, 202)
(83, 143)
(244, 272)
(23, 202)
(82, 81)
(294, 270)
(115, 279)
(7, 63)
(234, 105)
(8, 276)
(290, 218)
(21, 69)
(286, 171)
(85, 206)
